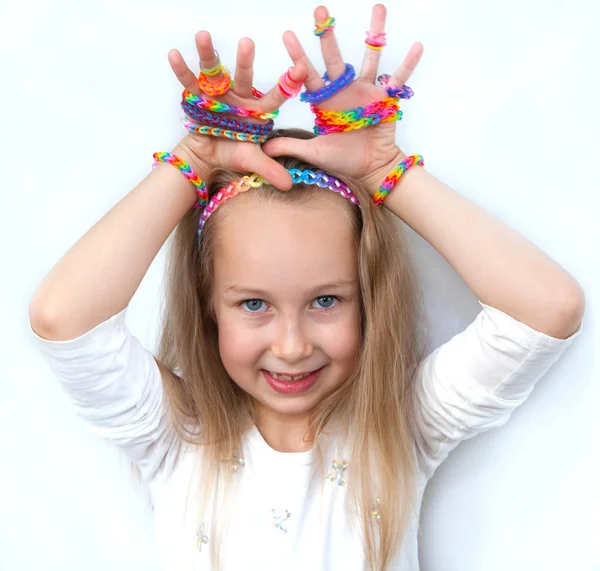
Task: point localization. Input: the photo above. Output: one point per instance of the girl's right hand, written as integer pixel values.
(220, 151)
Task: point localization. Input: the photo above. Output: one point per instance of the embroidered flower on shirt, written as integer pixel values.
(339, 469)
(201, 539)
(280, 519)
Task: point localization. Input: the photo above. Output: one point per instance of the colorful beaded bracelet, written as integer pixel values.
(375, 41)
(207, 118)
(327, 122)
(254, 181)
(187, 171)
(218, 107)
(390, 181)
(331, 88)
(320, 29)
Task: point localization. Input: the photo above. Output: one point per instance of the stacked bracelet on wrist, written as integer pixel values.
(391, 180)
(188, 172)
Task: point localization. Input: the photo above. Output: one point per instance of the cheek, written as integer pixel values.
(239, 346)
(342, 341)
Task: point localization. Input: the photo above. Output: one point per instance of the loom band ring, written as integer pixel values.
(403, 92)
(331, 87)
(321, 28)
(213, 70)
(284, 82)
(215, 89)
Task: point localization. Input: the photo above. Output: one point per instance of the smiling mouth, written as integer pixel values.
(290, 378)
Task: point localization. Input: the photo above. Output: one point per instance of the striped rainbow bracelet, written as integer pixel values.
(391, 180)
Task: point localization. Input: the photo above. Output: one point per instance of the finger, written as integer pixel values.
(183, 73)
(288, 146)
(274, 99)
(329, 46)
(371, 60)
(208, 56)
(244, 70)
(404, 71)
(272, 171)
(296, 52)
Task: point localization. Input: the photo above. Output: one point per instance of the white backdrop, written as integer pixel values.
(505, 111)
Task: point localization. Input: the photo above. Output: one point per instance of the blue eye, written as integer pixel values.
(326, 301)
(253, 305)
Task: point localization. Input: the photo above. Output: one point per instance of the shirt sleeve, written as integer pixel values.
(115, 386)
(474, 381)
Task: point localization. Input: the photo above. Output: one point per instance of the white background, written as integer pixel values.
(505, 111)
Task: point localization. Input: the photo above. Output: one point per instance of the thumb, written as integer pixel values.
(273, 172)
(288, 146)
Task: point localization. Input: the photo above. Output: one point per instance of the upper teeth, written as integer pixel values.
(288, 377)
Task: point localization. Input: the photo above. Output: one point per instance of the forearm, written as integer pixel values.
(501, 267)
(99, 274)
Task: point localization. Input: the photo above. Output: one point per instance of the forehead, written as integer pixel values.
(284, 246)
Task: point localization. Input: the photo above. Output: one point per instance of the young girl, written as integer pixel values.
(290, 418)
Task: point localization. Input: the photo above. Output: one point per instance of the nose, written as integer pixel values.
(291, 343)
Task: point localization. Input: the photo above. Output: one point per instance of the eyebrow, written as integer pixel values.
(250, 291)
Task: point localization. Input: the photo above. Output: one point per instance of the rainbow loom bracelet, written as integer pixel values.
(320, 29)
(254, 181)
(187, 171)
(217, 132)
(207, 118)
(330, 88)
(327, 122)
(375, 41)
(390, 181)
(218, 107)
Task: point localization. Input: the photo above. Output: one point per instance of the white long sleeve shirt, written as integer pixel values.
(279, 519)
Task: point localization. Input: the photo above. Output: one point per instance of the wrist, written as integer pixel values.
(186, 149)
(374, 179)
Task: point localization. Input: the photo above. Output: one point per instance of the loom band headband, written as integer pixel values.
(248, 182)
(331, 87)
(285, 83)
(403, 92)
(187, 171)
(213, 70)
(219, 107)
(215, 89)
(203, 117)
(217, 132)
(392, 179)
(321, 28)
(376, 41)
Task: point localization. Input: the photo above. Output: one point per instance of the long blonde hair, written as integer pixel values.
(373, 406)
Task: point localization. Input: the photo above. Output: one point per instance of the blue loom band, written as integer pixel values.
(331, 88)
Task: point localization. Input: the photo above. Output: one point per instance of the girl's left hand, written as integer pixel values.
(366, 154)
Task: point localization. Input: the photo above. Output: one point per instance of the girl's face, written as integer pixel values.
(286, 299)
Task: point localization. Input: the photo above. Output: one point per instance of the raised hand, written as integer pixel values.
(222, 152)
(365, 153)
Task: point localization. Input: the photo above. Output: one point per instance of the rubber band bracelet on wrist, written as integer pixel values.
(392, 179)
(187, 171)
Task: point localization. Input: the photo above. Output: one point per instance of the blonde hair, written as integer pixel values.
(373, 407)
